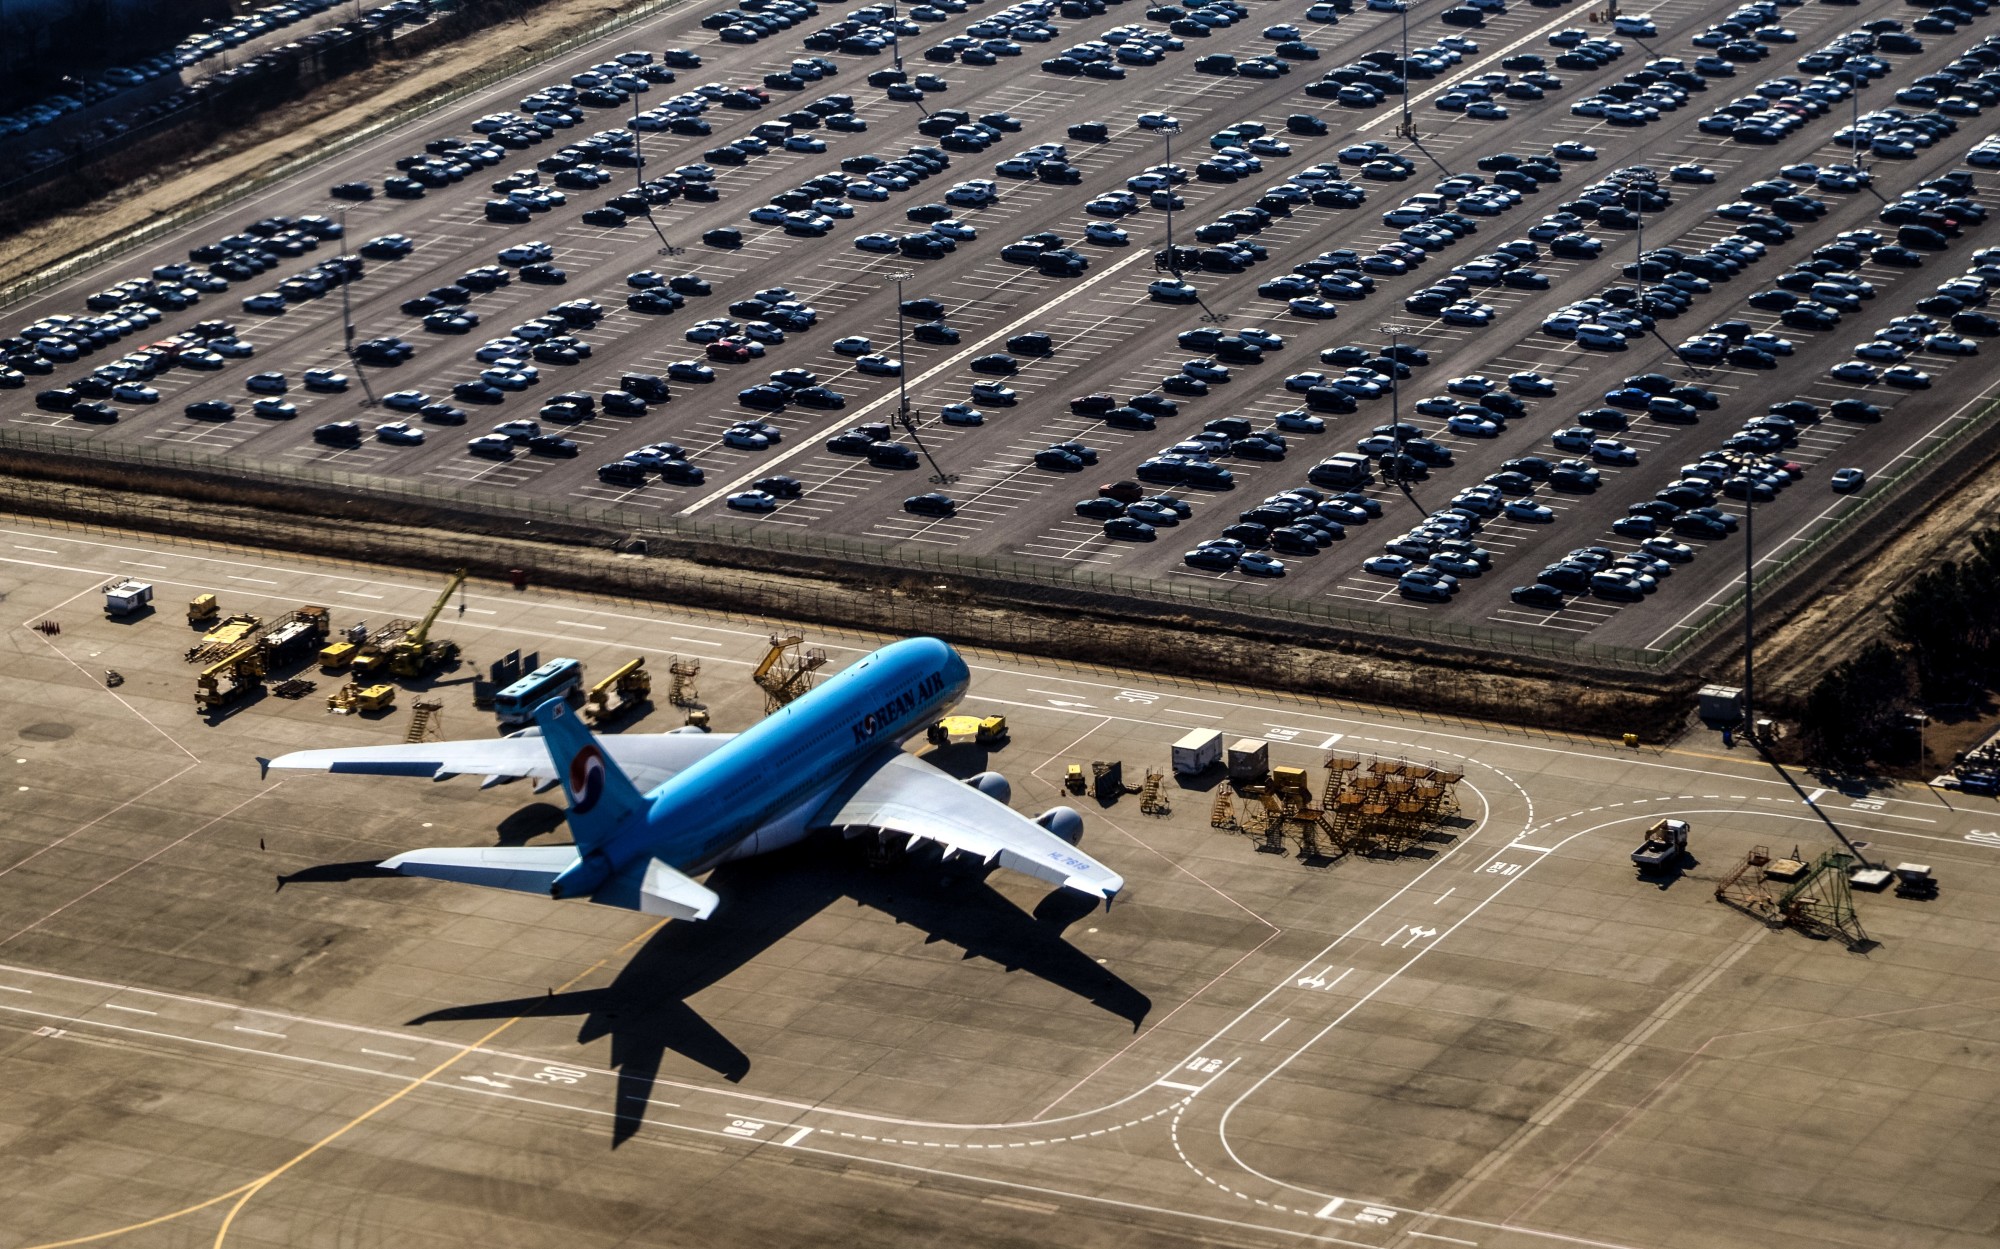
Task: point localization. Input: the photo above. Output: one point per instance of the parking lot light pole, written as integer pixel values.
(1742, 461)
(896, 38)
(347, 316)
(1406, 130)
(1636, 201)
(903, 416)
(1749, 607)
(1169, 130)
(906, 417)
(1395, 334)
(639, 181)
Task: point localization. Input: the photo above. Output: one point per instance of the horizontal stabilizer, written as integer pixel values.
(528, 869)
(667, 892)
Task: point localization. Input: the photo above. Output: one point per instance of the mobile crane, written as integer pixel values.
(631, 683)
(414, 654)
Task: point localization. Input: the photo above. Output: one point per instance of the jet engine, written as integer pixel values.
(1064, 822)
(993, 785)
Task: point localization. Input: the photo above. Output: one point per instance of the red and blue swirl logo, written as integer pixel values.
(586, 779)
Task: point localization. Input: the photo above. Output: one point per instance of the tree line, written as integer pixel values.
(1942, 640)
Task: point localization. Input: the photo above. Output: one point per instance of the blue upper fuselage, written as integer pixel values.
(799, 751)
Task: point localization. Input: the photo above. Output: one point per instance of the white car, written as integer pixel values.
(520, 430)
(325, 380)
(1612, 451)
(134, 392)
(1159, 121)
(1106, 233)
(993, 392)
(530, 253)
(752, 501)
(402, 433)
(1855, 371)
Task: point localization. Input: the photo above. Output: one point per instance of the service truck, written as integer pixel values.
(1666, 841)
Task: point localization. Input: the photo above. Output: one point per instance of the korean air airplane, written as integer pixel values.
(650, 812)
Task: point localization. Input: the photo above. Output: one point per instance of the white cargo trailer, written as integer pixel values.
(1199, 751)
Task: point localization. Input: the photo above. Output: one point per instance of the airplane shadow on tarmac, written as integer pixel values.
(644, 1012)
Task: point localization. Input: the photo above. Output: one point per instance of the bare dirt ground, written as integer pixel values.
(330, 110)
(1852, 610)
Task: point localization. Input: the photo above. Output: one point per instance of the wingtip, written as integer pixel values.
(263, 768)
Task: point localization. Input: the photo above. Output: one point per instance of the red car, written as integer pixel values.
(728, 351)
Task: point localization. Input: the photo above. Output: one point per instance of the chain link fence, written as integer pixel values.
(122, 464)
(755, 546)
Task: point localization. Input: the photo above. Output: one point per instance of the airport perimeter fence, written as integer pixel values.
(475, 81)
(1817, 552)
(728, 544)
(731, 545)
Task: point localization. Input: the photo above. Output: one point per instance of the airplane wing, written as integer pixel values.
(648, 758)
(906, 794)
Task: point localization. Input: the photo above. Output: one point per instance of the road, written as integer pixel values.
(1111, 338)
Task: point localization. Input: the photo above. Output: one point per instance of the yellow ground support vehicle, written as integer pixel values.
(631, 683)
(229, 678)
(228, 636)
(202, 608)
(355, 696)
(968, 730)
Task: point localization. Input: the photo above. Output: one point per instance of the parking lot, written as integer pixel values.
(1110, 335)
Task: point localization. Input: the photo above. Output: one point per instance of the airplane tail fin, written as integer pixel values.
(601, 797)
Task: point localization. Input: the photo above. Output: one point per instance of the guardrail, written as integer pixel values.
(66, 267)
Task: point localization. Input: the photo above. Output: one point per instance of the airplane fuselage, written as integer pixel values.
(760, 791)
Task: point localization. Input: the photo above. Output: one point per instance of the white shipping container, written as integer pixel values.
(1199, 751)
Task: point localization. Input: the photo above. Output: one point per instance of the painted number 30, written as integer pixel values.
(558, 1075)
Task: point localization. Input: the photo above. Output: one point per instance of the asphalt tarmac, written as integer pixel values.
(1110, 337)
(219, 1024)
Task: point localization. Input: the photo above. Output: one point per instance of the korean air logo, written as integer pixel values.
(586, 779)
